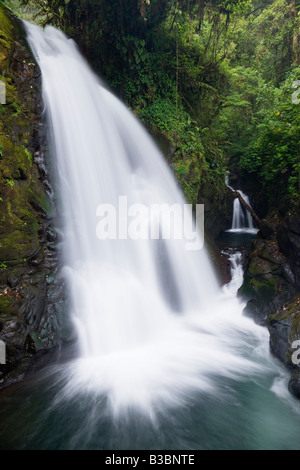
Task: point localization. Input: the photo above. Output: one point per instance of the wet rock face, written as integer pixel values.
(294, 383)
(32, 293)
(268, 281)
(272, 285)
(288, 236)
(284, 328)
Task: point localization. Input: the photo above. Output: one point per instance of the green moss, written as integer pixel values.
(262, 288)
(29, 156)
(189, 175)
(246, 290)
(10, 182)
(6, 40)
(290, 312)
(5, 302)
(265, 288)
(19, 185)
(6, 28)
(18, 247)
(259, 267)
(9, 304)
(38, 197)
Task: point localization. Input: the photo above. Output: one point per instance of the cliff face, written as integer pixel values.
(32, 299)
(272, 288)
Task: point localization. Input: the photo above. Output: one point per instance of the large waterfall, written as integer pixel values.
(155, 330)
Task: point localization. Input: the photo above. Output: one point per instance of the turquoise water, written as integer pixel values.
(239, 415)
(251, 411)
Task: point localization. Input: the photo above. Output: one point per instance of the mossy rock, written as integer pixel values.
(294, 383)
(6, 39)
(268, 281)
(261, 267)
(265, 287)
(27, 248)
(188, 172)
(259, 285)
(264, 294)
(284, 328)
(19, 178)
(9, 305)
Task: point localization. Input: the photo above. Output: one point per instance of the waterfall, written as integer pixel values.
(153, 324)
(166, 360)
(241, 218)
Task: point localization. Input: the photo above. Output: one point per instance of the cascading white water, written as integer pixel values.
(241, 218)
(151, 320)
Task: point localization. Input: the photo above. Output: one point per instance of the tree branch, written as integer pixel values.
(249, 209)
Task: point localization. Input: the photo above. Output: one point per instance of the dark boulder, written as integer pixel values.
(268, 281)
(284, 328)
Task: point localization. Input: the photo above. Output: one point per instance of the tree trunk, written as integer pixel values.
(249, 209)
(295, 44)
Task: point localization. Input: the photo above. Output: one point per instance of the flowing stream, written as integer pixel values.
(166, 359)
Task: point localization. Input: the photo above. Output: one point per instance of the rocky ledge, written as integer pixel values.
(33, 321)
(272, 288)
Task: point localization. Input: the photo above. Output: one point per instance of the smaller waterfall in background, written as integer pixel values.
(241, 218)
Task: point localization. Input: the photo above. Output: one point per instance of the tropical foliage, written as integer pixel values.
(213, 76)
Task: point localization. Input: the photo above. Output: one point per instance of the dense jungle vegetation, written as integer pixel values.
(216, 78)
